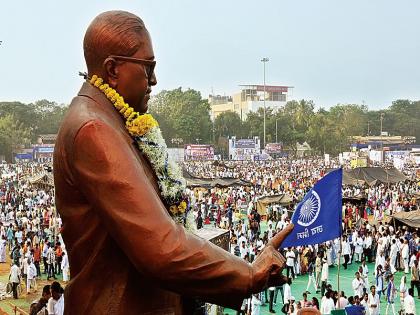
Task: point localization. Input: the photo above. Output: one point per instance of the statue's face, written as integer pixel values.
(134, 84)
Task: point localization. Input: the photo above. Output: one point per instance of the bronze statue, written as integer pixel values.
(127, 256)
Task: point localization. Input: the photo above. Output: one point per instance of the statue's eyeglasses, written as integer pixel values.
(151, 64)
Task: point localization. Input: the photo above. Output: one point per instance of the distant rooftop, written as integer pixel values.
(268, 88)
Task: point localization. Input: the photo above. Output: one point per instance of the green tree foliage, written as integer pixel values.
(13, 135)
(185, 114)
(228, 124)
(330, 131)
(29, 120)
(49, 116)
(182, 114)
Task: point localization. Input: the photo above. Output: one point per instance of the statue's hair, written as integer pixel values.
(112, 33)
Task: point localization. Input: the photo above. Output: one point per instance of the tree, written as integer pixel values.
(182, 114)
(48, 116)
(13, 135)
(228, 124)
(24, 113)
(42, 117)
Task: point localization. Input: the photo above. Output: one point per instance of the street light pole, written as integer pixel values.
(276, 131)
(264, 60)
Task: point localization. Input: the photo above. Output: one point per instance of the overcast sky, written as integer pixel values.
(330, 51)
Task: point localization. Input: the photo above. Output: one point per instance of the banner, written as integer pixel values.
(318, 217)
(198, 152)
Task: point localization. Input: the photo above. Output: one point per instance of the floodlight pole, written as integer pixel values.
(264, 60)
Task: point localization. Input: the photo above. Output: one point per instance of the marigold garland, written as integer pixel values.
(146, 132)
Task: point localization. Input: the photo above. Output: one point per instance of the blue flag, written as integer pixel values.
(318, 216)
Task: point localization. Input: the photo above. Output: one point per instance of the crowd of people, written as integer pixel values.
(365, 240)
(30, 234)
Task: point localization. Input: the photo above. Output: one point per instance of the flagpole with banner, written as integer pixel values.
(316, 219)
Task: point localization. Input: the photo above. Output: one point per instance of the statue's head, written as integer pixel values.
(118, 48)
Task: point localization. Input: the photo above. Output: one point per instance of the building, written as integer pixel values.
(250, 99)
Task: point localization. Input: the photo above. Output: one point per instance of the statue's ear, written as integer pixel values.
(111, 70)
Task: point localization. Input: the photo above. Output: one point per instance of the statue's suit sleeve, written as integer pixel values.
(109, 174)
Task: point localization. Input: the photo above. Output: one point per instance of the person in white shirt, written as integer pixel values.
(358, 285)
(25, 264)
(31, 280)
(373, 301)
(368, 247)
(286, 295)
(346, 251)
(318, 270)
(403, 290)
(243, 250)
(380, 260)
(241, 239)
(270, 231)
(280, 225)
(364, 303)
(365, 273)
(55, 305)
(358, 248)
(409, 303)
(412, 260)
(405, 256)
(65, 266)
(290, 262)
(327, 304)
(324, 276)
(393, 254)
(14, 278)
(255, 304)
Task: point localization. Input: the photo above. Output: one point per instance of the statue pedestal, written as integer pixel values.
(219, 237)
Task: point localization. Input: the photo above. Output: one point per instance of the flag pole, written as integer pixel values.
(340, 222)
(339, 255)
(338, 271)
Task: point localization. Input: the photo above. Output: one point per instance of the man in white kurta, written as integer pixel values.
(65, 266)
(358, 249)
(373, 301)
(380, 260)
(393, 254)
(365, 274)
(31, 277)
(405, 256)
(358, 285)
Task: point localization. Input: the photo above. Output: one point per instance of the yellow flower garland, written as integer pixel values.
(137, 124)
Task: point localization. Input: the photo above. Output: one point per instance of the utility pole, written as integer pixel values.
(276, 131)
(264, 60)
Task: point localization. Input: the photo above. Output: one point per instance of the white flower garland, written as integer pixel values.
(144, 129)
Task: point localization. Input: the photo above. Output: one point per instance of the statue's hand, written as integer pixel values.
(269, 264)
